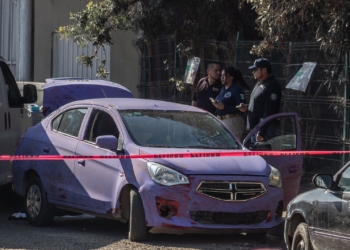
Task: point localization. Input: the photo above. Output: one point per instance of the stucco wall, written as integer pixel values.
(125, 61)
(49, 15)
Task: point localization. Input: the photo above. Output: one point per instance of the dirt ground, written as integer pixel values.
(88, 232)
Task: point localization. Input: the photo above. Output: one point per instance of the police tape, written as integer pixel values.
(170, 155)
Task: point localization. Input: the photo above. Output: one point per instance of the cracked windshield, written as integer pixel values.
(177, 129)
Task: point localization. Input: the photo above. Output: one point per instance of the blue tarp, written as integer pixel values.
(60, 91)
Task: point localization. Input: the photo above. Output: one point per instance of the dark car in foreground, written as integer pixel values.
(320, 218)
(239, 194)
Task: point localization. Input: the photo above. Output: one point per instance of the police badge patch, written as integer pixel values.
(227, 95)
(273, 97)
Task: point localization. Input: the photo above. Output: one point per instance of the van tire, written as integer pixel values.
(39, 211)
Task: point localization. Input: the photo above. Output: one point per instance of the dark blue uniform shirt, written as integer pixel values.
(265, 100)
(231, 98)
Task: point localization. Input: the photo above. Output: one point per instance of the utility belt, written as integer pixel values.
(224, 117)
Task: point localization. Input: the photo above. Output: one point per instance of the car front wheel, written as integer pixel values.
(38, 210)
(301, 238)
(137, 222)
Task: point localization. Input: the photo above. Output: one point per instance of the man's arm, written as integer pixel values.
(194, 98)
(242, 107)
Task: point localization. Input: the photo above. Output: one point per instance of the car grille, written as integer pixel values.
(228, 218)
(231, 191)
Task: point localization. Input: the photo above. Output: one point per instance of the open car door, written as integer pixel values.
(283, 134)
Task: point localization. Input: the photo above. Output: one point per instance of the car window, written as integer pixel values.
(156, 128)
(344, 181)
(280, 135)
(69, 122)
(100, 123)
(13, 94)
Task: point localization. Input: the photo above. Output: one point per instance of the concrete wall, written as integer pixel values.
(125, 61)
(49, 15)
(9, 34)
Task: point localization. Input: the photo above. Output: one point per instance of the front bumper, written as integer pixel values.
(177, 208)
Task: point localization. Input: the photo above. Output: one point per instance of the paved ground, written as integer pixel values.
(87, 232)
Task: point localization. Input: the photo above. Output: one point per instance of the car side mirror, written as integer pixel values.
(323, 180)
(29, 93)
(107, 141)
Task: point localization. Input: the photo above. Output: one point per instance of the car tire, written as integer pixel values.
(39, 211)
(301, 238)
(137, 222)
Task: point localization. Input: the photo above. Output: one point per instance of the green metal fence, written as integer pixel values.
(323, 108)
(160, 62)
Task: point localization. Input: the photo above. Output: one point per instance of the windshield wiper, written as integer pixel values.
(196, 146)
(157, 146)
(207, 147)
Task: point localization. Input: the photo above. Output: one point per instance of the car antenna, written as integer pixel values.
(104, 93)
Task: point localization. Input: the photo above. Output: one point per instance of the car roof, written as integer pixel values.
(138, 104)
(69, 81)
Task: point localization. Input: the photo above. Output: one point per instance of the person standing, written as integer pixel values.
(208, 87)
(231, 95)
(265, 99)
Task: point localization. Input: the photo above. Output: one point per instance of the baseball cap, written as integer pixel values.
(261, 63)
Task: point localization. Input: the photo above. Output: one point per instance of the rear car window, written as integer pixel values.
(69, 122)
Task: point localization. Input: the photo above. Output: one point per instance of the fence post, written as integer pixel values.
(175, 75)
(236, 49)
(345, 158)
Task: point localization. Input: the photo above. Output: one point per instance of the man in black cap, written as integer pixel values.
(208, 87)
(265, 99)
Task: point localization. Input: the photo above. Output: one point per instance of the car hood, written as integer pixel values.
(234, 165)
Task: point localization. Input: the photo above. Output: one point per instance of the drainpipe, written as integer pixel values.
(25, 40)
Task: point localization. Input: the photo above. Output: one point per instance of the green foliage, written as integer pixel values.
(188, 23)
(191, 22)
(324, 21)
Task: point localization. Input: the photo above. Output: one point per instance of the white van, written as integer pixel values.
(14, 119)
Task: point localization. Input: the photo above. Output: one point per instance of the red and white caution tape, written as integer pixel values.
(171, 155)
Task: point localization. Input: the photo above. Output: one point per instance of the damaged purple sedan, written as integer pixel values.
(236, 194)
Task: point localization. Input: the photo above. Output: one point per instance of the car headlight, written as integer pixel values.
(165, 176)
(275, 179)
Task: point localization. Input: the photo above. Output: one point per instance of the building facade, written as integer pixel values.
(29, 44)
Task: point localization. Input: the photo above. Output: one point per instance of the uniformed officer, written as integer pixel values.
(265, 99)
(230, 96)
(208, 87)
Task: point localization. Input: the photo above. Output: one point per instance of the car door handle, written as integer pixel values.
(46, 149)
(81, 162)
